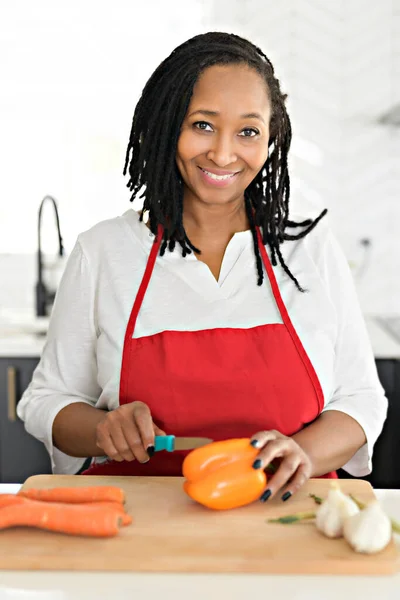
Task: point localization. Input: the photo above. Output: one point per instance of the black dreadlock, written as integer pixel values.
(151, 152)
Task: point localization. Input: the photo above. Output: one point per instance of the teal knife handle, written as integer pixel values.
(164, 442)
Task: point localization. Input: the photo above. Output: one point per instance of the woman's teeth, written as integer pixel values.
(218, 177)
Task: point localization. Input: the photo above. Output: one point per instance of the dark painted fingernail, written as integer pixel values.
(257, 464)
(286, 496)
(265, 495)
(150, 451)
(254, 443)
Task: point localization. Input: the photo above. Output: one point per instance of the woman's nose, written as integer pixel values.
(222, 151)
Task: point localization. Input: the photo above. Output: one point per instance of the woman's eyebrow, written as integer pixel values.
(213, 113)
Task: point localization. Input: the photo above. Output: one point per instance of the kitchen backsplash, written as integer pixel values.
(18, 280)
(66, 135)
(377, 280)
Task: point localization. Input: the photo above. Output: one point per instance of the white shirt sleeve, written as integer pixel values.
(357, 389)
(67, 371)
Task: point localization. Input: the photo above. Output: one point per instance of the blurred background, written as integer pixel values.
(71, 73)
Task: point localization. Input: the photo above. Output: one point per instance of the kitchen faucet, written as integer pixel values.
(44, 296)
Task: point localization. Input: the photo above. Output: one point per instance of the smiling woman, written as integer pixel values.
(226, 150)
(226, 78)
(145, 341)
(218, 158)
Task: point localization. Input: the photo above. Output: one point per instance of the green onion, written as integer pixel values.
(316, 499)
(361, 505)
(300, 516)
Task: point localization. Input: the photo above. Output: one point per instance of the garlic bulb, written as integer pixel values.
(369, 531)
(334, 511)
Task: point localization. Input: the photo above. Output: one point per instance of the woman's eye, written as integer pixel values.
(249, 132)
(203, 125)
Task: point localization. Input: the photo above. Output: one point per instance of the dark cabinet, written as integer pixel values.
(386, 458)
(21, 455)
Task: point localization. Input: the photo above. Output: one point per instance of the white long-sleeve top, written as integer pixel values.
(81, 359)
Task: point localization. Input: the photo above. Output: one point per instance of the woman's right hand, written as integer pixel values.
(127, 433)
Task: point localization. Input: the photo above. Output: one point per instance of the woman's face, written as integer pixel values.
(223, 142)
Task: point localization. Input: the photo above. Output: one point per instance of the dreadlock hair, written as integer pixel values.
(151, 152)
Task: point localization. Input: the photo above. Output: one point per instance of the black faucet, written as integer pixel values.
(45, 297)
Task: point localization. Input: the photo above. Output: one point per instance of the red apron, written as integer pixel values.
(218, 383)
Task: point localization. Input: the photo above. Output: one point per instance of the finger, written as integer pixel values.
(134, 441)
(144, 424)
(275, 448)
(260, 439)
(300, 477)
(106, 444)
(120, 442)
(284, 474)
(158, 431)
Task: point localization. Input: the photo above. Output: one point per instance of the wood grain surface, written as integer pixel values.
(172, 533)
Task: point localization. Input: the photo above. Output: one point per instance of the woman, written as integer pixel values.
(219, 317)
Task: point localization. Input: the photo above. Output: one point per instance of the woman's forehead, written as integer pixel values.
(234, 88)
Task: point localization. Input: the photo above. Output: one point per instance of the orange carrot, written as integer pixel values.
(62, 518)
(8, 499)
(126, 519)
(12, 499)
(76, 494)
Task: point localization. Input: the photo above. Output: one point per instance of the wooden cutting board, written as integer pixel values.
(172, 533)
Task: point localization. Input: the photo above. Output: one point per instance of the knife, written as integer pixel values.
(171, 443)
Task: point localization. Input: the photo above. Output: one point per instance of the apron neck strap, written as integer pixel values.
(145, 282)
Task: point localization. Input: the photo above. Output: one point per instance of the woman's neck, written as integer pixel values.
(214, 221)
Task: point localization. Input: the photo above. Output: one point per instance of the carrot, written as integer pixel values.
(85, 520)
(76, 494)
(12, 499)
(8, 499)
(126, 519)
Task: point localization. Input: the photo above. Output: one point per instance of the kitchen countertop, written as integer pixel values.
(15, 343)
(22, 334)
(51, 585)
(23, 345)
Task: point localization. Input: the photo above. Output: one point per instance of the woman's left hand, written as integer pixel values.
(295, 466)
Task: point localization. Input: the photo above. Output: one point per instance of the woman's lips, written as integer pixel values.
(218, 180)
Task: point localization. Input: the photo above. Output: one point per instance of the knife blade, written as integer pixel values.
(171, 443)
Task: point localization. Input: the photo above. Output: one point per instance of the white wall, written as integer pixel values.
(339, 61)
(72, 71)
